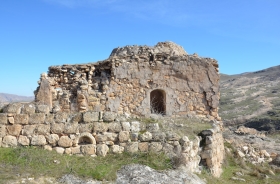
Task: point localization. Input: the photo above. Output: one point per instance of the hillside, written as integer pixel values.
(251, 98)
(8, 98)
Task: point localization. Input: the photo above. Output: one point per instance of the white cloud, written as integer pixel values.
(162, 11)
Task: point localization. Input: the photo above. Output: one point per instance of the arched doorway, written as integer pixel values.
(158, 102)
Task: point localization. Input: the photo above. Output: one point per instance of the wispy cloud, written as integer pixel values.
(162, 11)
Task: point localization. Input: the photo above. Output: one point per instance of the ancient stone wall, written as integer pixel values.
(123, 83)
(213, 151)
(96, 133)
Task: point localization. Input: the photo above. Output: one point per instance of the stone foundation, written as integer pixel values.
(97, 134)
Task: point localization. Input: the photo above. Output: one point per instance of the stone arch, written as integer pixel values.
(86, 138)
(158, 101)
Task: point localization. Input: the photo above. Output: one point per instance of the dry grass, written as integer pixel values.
(36, 162)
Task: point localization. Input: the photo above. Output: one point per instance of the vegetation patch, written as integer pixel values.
(36, 162)
(235, 167)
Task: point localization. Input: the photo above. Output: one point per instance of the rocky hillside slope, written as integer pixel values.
(8, 98)
(252, 98)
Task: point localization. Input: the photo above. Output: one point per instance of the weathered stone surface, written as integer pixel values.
(44, 93)
(135, 82)
(68, 151)
(43, 129)
(116, 149)
(90, 117)
(100, 138)
(155, 146)
(143, 146)
(171, 136)
(14, 130)
(71, 128)
(23, 140)
(11, 120)
(76, 150)
(88, 149)
(48, 147)
(37, 118)
(57, 128)
(131, 147)
(49, 119)
(88, 127)
(9, 141)
(38, 140)
(28, 130)
(59, 150)
(159, 136)
(114, 127)
(111, 136)
(152, 127)
(124, 136)
(135, 126)
(3, 119)
(13, 108)
(61, 117)
(100, 127)
(109, 116)
(102, 149)
(65, 142)
(147, 136)
(2, 131)
(125, 126)
(86, 138)
(134, 174)
(52, 139)
(42, 109)
(28, 109)
(21, 119)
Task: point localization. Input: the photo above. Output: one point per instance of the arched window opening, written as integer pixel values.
(158, 102)
(85, 140)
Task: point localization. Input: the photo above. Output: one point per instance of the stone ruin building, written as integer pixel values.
(83, 109)
(137, 80)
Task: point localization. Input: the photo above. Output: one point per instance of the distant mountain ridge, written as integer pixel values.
(250, 95)
(8, 98)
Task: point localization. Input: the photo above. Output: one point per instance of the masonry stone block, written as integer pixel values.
(21, 119)
(37, 118)
(3, 118)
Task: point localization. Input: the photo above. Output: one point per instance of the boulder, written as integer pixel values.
(3, 131)
(38, 140)
(23, 140)
(131, 147)
(145, 137)
(9, 141)
(90, 117)
(42, 109)
(37, 118)
(115, 127)
(59, 150)
(102, 149)
(135, 173)
(125, 126)
(116, 149)
(28, 130)
(21, 119)
(43, 129)
(14, 129)
(3, 119)
(135, 127)
(124, 136)
(65, 142)
(109, 116)
(88, 149)
(155, 146)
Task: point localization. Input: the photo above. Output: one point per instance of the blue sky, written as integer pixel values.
(34, 34)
